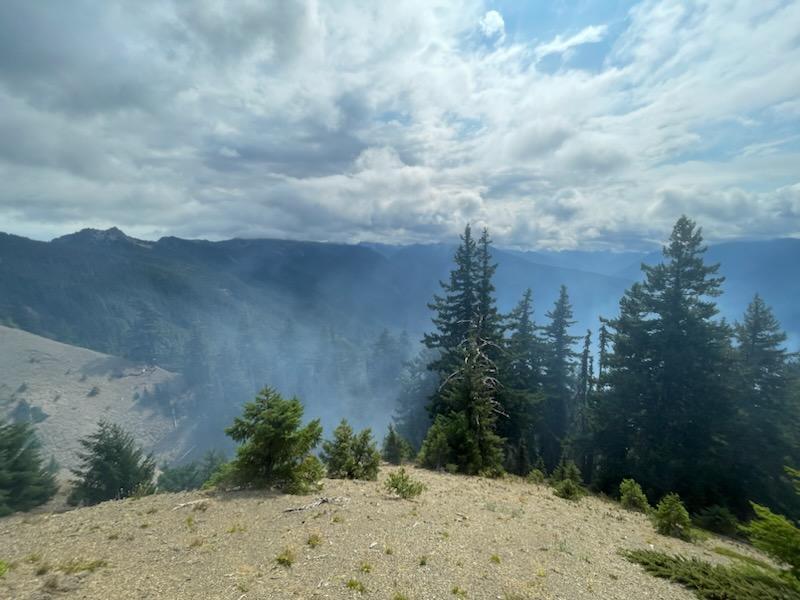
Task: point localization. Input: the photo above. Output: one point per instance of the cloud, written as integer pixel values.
(560, 45)
(493, 26)
(389, 122)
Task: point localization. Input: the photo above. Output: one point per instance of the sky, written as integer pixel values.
(589, 124)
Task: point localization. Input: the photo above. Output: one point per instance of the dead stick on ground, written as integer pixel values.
(316, 503)
(189, 503)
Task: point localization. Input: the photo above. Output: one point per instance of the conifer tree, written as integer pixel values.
(521, 374)
(111, 467)
(275, 449)
(559, 387)
(471, 407)
(25, 482)
(456, 309)
(664, 417)
(395, 448)
(489, 322)
(765, 430)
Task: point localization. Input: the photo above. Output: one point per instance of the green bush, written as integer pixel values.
(190, 476)
(566, 470)
(435, 450)
(568, 489)
(776, 536)
(718, 519)
(716, 582)
(399, 482)
(671, 517)
(112, 467)
(535, 476)
(632, 497)
(25, 481)
(274, 449)
(395, 448)
(351, 456)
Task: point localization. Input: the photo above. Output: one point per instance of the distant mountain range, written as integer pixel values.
(285, 311)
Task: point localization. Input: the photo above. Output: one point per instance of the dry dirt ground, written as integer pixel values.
(465, 537)
(74, 388)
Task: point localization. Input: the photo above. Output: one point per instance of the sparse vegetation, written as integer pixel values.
(671, 518)
(399, 482)
(3, 568)
(632, 497)
(728, 552)
(495, 558)
(356, 586)
(286, 558)
(314, 540)
(77, 565)
(458, 592)
(93, 392)
(365, 567)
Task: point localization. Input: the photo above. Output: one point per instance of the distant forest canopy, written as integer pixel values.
(675, 397)
(348, 330)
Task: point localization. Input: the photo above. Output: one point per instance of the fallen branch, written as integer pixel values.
(316, 503)
(193, 502)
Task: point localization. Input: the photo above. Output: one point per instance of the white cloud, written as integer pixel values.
(493, 26)
(385, 121)
(560, 45)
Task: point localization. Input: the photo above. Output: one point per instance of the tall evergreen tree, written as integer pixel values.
(456, 309)
(470, 409)
(765, 431)
(489, 322)
(521, 374)
(25, 481)
(559, 384)
(664, 418)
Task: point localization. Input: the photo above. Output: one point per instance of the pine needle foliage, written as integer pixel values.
(400, 482)
(350, 455)
(716, 582)
(112, 467)
(632, 497)
(275, 450)
(25, 482)
(671, 517)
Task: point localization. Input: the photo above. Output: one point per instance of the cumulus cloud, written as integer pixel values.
(388, 122)
(493, 26)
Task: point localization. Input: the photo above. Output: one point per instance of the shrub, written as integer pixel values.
(568, 489)
(718, 519)
(632, 497)
(190, 476)
(351, 456)
(3, 568)
(776, 536)
(435, 450)
(716, 582)
(535, 476)
(400, 483)
(566, 479)
(671, 517)
(566, 470)
(285, 558)
(356, 586)
(274, 449)
(93, 392)
(395, 448)
(25, 481)
(112, 467)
